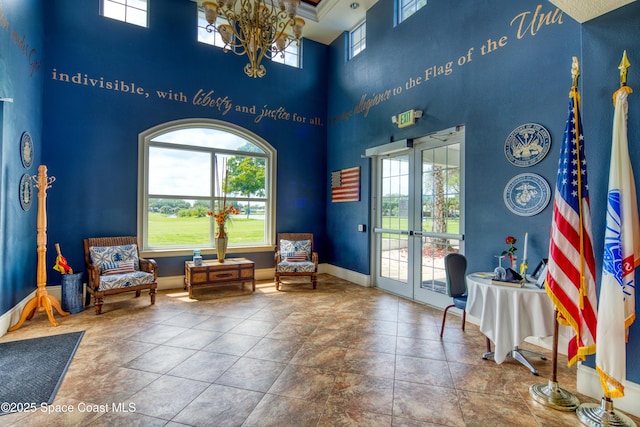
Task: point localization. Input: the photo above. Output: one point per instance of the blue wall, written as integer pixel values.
(525, 80)
(91, 142)
(21, 55)
(88, 136)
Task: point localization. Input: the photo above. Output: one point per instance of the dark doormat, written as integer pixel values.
(32, 370)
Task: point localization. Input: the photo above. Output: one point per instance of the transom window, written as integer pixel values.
(291, 55)
(406, 8)
(131, 11)
(183, 172)
(358, 39)
(213, 38)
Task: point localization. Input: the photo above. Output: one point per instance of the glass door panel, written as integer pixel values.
(392, 232)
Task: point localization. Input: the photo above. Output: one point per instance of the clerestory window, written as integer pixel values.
(131, 11)
(406, 8)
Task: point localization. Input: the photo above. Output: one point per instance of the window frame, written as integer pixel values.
(361, 28)
(412, 5)
(127, 8)
(145, 142)
(298, 54)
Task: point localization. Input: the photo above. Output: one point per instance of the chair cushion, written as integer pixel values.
(117, 281)
(460, 302)
(296, 267)
(101, 255)
(288, 248)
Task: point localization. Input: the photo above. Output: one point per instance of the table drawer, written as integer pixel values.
(198, 277)
(224, 275)
(247, 273)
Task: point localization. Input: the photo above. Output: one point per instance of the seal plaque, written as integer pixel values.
(527, 194)
(527, 145)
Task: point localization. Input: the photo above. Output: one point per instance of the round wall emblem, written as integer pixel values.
(527, 144)
(26, 192)
(527, 194)
(26, 150)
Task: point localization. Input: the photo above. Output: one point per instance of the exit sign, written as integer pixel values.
(406, 119)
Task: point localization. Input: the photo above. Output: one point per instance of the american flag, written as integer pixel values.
(571, 268)
(345, 185)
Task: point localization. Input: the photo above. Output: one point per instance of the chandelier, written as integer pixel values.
(255, 28)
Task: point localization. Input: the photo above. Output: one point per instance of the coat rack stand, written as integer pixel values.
(42, 301)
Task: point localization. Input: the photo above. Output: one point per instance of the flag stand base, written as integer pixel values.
(595, 415)
(553, 396)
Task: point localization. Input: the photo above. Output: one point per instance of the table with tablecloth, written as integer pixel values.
(508, 314)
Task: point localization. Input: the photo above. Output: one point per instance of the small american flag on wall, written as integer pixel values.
(345, 185)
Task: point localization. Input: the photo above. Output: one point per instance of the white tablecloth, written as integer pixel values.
(508, 315)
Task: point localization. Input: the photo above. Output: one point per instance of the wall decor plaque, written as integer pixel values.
(527, 144)
(26, 192)
(26, 150)
(527, 194)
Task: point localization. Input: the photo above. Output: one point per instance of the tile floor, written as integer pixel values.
(340, 355)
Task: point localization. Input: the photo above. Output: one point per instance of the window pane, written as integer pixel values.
(114, 11)
(137, 17)
(407, 8)
(211, 138)
(291, 55)
(178, 222)
(179, 172)
(138, 4)
(358, 39)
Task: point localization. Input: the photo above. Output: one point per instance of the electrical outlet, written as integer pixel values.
(362, 227)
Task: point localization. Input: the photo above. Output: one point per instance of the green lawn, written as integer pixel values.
(165, 230)
(395, 223)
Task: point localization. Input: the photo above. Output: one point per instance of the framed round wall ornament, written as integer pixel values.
(527, 145)
(26, 192)
(26, 150)
(527, 194)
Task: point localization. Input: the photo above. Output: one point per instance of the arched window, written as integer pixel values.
(182, 172)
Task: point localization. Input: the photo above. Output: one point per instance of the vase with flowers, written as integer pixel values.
(222, 216)
(513, 259)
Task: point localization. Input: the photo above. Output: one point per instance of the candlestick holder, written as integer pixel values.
(523, 271)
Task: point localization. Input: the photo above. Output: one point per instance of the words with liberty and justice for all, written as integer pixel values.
(203, 98)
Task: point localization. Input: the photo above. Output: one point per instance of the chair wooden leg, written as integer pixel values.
(444, 319)
(314, 280)
(464, 318)
(152, 294)
(97, 302)
(137, 293)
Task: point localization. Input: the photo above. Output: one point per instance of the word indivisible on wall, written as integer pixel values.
(526, 23)
(205, 98)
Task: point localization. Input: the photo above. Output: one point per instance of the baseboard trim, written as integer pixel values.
(588, 383)
(345, 274)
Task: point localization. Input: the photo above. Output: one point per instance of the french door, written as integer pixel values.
(418, 216)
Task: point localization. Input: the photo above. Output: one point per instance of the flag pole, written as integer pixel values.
(592, 414)
(551, 394)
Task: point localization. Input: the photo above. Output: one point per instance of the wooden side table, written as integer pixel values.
(213, 273)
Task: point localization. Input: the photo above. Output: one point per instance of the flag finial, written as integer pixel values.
(575, 70)
(624, 64)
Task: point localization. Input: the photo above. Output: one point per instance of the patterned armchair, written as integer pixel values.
(295, 257)
(114, 266)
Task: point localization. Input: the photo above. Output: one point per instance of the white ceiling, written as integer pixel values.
(331, 18)
(585, 10)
